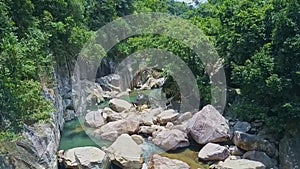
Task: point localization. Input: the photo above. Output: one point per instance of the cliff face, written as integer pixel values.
(37, 149)
(289, 148)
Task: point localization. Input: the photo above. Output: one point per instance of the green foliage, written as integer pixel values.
(150, 6)
(265, 65)
(35, 37)
(259, 40)
(22, 64)
(100, 12)
(8, 136)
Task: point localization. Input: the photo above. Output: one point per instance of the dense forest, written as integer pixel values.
(259, 41)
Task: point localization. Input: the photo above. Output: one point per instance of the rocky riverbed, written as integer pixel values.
(128, 134)
(124, 132)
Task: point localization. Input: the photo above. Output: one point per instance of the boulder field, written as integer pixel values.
(223, 145)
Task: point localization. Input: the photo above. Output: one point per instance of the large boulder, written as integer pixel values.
(87, 157)
(170, 139)
(213, 152)
(121, 127)
(261, 157)
(125, 153)
(208, 125)
(119, 105)
(250, 142)
(241, 164)
(159, 162)
(94, 119)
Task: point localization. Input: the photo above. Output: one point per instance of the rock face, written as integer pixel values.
(208, 125)
(241, 164)
(159, 162)
(213, 152)
(94, 119)
(36, 150)
(84, 157)
(261, 157)
(125, 153)
(119, 105)
(250, 142)
(38, 147)
(170, 139)
(110, 82)
(289, 150)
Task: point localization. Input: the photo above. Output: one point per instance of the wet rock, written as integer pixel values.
(159, 162)
(170, 139)
(250, 142)
(261, 157)
(125, 153)
(119, 105)
(208, 125)
(94, 119)
(213, 152)
(266, 133)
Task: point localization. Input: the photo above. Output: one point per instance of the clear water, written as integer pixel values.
(74, 135)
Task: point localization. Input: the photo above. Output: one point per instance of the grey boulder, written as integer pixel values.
(208, 125)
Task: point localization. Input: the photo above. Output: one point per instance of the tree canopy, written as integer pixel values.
(259, 41)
